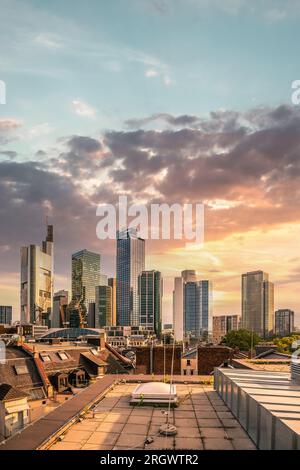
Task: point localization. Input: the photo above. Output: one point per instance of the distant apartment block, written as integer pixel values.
(223, 324)
(284, 322)
(127, 336)
(5, 314)
(37, 281)
(258, 303)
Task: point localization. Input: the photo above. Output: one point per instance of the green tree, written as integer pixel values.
(284, 344)
(242, 339)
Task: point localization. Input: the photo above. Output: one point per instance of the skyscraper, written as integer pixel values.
(130, 263)
(5, 314)
(189, 275)
(197, 301)
(150, 300)
(37, 281)
(60, 302)
(258, 303)
(112, 282)
(103, 306)
(85, 276)
(284, 322)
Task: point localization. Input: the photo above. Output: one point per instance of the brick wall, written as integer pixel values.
(143, 360)
(211, 357)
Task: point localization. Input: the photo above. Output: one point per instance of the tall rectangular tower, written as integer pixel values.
(150, 300)
(130, 264)
(85, 276)
(103, 306)
(197, 301)
(258, 303)
(37, 281)
(188, 275)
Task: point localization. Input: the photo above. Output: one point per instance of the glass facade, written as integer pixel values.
(257, 303)
(5, 314)
(85, 276)
(197, 300)
(150, 300)
(130, 264)
(284, 322)
(103, 306)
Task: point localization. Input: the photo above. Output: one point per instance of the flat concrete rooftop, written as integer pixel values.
(202, 419)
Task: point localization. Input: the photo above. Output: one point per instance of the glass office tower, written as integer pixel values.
(197, 301)
(85, 276)
(150, 299)
(258, 303)
(130, 264)
(103, 306)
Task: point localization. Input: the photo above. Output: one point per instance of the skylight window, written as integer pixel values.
(21, 370)
(45, 358)
(62, 356)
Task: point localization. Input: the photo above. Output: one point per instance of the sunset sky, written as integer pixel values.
(163, 100)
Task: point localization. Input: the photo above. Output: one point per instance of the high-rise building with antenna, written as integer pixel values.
(37, 281)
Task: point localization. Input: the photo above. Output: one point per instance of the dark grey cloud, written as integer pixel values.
(81, 159)
(177, 121)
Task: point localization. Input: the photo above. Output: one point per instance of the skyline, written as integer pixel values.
(124, 111)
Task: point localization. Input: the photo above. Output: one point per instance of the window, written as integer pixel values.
(63, 356)
(21, 370)
(188, 362)
(45, 358)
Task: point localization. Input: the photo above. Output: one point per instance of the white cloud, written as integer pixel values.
(151, 73)
(51, 41)
(83, 109)
(40, 129)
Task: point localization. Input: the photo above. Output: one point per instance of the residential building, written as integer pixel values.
(150, 300)
(14, 410)
(258, 303)
(37, 281)
(112, 282)
(223, 324)
(284, 322)
(127, 336)
(130, 264)
(85, 277)
(31, 331)
(197, 299)
(5, 314)
(189, 362)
